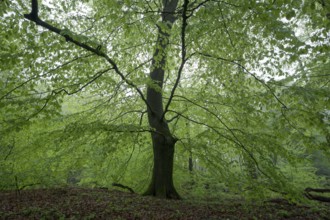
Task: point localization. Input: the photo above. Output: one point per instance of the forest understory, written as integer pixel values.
(101, 203)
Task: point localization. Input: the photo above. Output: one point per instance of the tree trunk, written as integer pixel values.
(162, 140)
(190, 163)
(162, 176)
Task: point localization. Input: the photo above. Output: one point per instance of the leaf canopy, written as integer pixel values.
(251, 107)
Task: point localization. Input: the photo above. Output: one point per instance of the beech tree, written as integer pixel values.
(227, 81)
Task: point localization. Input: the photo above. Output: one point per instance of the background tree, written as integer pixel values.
(237, 83)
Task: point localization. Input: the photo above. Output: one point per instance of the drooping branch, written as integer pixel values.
(34, 17)
(299, 130)
(123, 113)
(246, 71)
(43, 75)
(94, 78)
(235, 139)
(58, 91)
(215, 129)
(11, 147)
(42, 108)
(226, 29)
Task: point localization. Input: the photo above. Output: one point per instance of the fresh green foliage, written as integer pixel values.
(251, 109)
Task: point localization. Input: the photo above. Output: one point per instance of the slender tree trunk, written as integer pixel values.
(163, 141)
(190, 160)
(190, 163)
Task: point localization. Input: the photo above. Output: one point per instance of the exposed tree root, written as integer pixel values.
(169, 194)
(123, 186)
(311, 196)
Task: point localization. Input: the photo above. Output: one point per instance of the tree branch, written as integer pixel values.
(203, 124)
(246, 71)
(123, 113)
(43, 75)
(183, 55)
(94, 78)
(11, 147)
(33, 16)
(226, 28)
(235, 140)
(56, 92)
(196, 7)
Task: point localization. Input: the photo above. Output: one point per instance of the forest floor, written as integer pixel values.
(86, 203)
